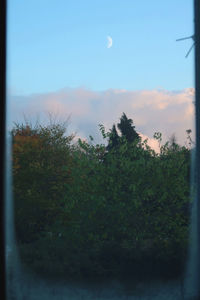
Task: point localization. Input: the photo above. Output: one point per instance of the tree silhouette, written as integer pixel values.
(127, 129)
(113, 138)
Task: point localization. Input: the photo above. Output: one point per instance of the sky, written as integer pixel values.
(62, 48)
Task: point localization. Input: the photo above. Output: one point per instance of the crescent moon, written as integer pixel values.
(110, 41)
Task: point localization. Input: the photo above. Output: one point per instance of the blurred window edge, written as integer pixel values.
(3, 127)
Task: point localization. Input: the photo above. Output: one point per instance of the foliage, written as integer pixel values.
(113, 215)
(114, 139)
(39, 157)
(127, 130)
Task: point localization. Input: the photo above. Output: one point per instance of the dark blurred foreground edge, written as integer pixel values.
(2, 142)
(197, 99)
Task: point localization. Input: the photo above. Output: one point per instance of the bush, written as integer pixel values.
(122, 209)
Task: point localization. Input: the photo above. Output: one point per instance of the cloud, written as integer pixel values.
(151, 110)
(153, 143)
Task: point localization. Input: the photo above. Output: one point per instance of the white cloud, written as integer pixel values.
(151, 110)
(153, 143)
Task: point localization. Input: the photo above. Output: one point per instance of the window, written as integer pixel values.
(94, 206)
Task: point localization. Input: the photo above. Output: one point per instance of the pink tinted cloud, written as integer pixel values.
(151, 110)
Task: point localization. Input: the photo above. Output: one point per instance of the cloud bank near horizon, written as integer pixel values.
(169, 112)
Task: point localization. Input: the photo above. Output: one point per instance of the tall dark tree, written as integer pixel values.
(113, 139)
(127, 129)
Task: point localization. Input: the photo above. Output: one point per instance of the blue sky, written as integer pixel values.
(59, 62)
(63, 44)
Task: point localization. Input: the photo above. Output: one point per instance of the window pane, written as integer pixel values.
(102, 138)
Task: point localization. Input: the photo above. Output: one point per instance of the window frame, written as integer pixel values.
(3, 15)
(197, 123)
(3, 18)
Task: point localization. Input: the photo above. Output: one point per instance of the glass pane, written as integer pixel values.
(101, 131)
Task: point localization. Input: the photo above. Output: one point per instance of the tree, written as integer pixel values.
(41, 168)
(127, 129)
(128, 135)
(113, 138)
(127, 213)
